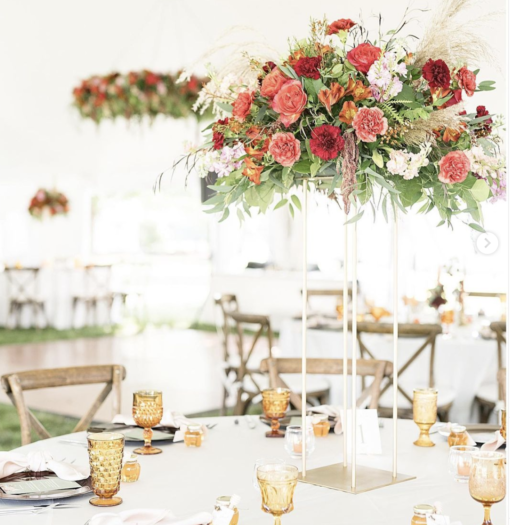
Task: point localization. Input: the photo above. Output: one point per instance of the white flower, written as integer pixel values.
(397, 164)
(383, 78)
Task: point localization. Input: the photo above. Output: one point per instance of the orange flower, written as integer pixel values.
(451, 135)
(358, 90)
(329, 97)
(252, 171)
(295, 57)
(257, 153)
(348, 112)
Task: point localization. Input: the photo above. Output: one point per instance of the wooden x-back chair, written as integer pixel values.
(16, 384)
(488, 396)
(427, 332)
(364, 368)
(239, 354)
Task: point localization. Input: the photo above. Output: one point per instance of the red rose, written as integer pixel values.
(466, 80)
(363, 56)
(454, 167)
(456, 98)
(242, 105)
(436, 73)
(151, 79)
(272, 83)
(326, 142)
(308, 67)
(285, 148)
(290, 102)
(344, 24)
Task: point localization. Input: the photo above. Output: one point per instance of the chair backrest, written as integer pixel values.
(225, 303)
(375, 368)
(97, 280)
(23, 283)
(427, 333)
(327, 299)
(502, 384)
(260, 324)
(17, 383)
(499, 328)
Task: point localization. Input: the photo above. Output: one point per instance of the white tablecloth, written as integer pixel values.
(462, 363)
(188, 480)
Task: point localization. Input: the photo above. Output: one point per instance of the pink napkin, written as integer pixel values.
(38, 461)
(149, 517)
(495, 443)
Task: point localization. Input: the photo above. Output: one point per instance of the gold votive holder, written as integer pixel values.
(106, 451)
(147, 413)
(502, 430)
(424, 414)
(275, 402)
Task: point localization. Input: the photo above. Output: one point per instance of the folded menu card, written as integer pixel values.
(38, 486)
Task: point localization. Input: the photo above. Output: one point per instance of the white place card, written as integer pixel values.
(368, 435)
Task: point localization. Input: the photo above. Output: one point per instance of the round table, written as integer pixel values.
(188, 480)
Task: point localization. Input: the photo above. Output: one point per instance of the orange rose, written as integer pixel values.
(329, 97)
(348, 112)
(290, 102)
(272, 83)
(242, 105)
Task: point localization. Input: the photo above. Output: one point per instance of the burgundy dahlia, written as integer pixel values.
(326, 142)
(436, 73)
(308, 67)
(218, 137)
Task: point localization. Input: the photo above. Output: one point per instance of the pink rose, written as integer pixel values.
(466, 80)
(272, 83)
(454, 167)
(290, 102)
(242, 105)
(363, 56)
(285, 148)
(368, 123)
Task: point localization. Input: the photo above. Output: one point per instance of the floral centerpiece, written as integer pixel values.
(136, 94)
(368, 120)
(48, 202)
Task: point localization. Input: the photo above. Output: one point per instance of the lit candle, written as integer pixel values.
(463, 469)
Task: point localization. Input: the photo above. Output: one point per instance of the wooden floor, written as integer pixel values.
(184, 364)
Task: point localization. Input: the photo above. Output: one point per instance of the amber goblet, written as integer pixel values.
(275, 402)
(105, 457)
(424, 414)
(378, 312)
(147, 413)
(277, 483)
(487, 481)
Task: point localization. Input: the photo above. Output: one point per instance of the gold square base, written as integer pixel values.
(338, 477)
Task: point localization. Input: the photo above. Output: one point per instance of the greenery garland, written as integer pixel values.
(136, 95)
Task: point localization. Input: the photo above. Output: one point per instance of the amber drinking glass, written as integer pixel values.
(277, 483)
(275, 403)
(106, 451)
(147, 413)
(487, 481)
(424, 414)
